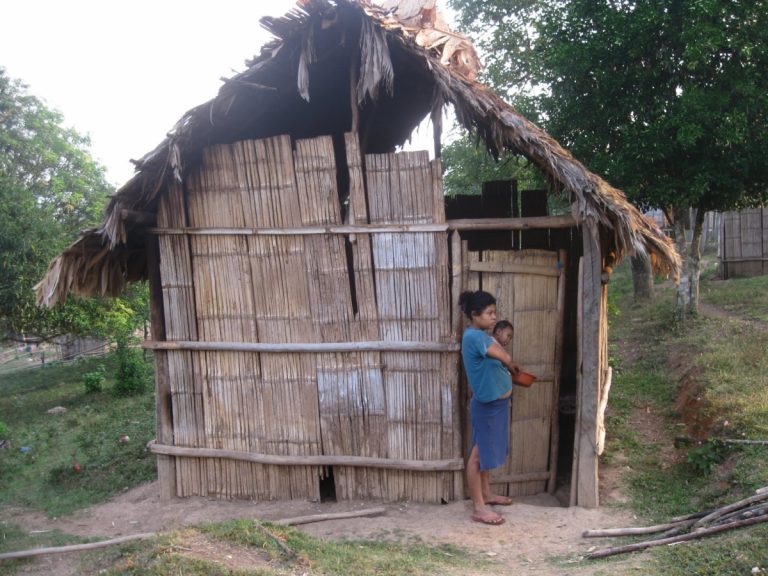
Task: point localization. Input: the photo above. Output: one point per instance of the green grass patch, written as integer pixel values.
(747, 297)
(719, 361)
(13, 538)
(735, 552)
(308, 555)
(349, 558)
(61, 462)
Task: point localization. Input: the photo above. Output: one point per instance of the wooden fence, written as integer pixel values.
(743, 248)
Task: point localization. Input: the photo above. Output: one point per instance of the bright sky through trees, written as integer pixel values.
(124, 72)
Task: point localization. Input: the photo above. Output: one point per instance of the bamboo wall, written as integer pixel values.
(224, 281)
(744, 243)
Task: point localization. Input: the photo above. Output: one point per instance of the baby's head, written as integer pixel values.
(503, 331)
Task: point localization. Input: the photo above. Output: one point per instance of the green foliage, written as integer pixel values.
(666, 98)
(725, 359)
(93, 382)
(88, 433)
(5, 431)
(705, 457)
(50, 189)
(468, 165)
(134, 375)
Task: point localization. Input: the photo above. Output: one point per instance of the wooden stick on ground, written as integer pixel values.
(693, 516)
(730, 508)
(750, 512)
(289, 552)
(75, 547)
(609, 532)
(674, 539)
(330, 516)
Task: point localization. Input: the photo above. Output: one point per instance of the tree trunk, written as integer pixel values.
(642, 277)
(680, 216)
(695, 266)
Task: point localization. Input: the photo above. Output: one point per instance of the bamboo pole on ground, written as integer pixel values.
(75, 547)
(368, 512)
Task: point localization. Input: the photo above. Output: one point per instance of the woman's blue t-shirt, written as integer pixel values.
(488, 377)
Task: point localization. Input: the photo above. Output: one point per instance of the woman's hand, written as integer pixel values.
(497, 352)
(513, 367)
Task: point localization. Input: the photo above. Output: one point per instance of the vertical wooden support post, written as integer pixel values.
(166, 465)
(586, 435)
(579, 348)
(555, 429)
(456, 274)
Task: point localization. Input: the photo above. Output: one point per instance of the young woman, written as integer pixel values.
(488, 368)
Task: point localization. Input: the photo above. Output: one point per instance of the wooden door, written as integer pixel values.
(529, 289)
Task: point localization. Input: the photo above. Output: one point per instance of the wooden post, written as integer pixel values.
(586, 435)
(456, 274)
(579, 347)
(555, 429)
(166, 465)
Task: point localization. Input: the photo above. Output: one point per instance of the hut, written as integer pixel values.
(743, 243)
(304, 276)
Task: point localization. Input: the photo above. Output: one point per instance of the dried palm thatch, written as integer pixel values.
(401, 63)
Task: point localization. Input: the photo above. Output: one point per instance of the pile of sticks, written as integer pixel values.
(746, 512)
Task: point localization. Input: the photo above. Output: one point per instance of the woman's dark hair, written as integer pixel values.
(475, 302)
(503, 325)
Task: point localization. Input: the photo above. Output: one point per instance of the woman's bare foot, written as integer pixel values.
(488, 517)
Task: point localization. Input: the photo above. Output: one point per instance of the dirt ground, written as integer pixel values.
(539, 536)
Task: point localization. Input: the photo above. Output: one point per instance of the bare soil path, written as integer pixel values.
(539, 536)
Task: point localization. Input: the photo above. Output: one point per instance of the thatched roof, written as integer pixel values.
(300, 84)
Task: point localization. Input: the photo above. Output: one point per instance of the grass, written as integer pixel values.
(709, 377)
(746, 297)
(38, 471)
(309, 555)
(13, 538)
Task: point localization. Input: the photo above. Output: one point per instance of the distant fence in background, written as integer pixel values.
(743, 246)
(28, 356)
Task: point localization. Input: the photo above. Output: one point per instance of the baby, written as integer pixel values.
(503, 332)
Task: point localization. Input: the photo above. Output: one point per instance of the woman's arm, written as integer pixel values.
(497, 352)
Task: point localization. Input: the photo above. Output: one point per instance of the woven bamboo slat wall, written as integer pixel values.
(317, 288)
(525, 284)
(180, 324)
(744, 243)
(412, 295)
(251, 289)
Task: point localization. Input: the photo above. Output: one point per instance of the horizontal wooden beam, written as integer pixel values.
(527, 477)
(533, 222)
(497, 266)
(319, 347)
(308, 460)
(306, 231)
(727, 260)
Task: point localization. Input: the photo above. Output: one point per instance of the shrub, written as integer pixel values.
(94, 381)
(133, 373)
(5, 432)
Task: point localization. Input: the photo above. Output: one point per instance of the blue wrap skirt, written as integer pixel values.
(490, 431)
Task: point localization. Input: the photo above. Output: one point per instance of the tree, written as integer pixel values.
(667, 99)
(50, 188)
(468, 166)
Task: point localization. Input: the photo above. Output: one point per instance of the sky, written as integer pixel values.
(123, 72)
